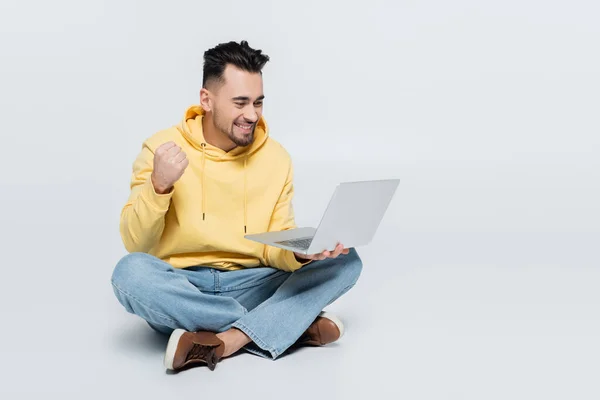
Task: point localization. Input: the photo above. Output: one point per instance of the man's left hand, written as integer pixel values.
(326, 254)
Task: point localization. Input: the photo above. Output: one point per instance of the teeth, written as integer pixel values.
(244, 126)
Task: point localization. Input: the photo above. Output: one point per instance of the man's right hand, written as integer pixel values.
(169, 164)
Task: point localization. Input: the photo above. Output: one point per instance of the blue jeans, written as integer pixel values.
(271, 306)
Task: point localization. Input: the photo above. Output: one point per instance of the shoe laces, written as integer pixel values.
(203, 352)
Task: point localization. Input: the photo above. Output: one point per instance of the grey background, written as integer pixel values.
(482, 282)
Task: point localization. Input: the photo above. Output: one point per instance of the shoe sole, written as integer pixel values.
(172, 348)
(335, 320)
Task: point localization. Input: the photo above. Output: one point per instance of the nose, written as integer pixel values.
(250, 114)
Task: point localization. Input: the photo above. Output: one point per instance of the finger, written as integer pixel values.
(338, 250)
(184, 164)
(171, 155)
(335, 252)
(179, 157)
(344, 249)
(173, 151)
(165, 146)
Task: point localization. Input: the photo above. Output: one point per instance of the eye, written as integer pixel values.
(239, 105)
(258, 104)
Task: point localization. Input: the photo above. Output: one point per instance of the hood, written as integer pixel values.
(191, 129)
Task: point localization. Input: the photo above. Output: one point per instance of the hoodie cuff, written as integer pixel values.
(291, 261)
(160, 202)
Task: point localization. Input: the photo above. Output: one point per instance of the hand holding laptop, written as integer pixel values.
(326, 254)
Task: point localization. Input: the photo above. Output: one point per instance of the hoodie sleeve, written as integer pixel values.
(143, 216)
(283, 219)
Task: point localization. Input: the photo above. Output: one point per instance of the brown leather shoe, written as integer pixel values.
(325, 329)
(189, 348)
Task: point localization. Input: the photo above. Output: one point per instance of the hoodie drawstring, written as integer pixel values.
(203, 145)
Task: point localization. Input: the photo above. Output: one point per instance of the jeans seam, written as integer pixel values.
(256, 339)
(217, 282)
(142, 303)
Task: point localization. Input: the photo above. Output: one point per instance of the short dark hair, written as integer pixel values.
(240, 55)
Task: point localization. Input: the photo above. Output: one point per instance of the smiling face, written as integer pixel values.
(235, 104)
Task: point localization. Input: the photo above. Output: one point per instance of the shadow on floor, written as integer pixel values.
(139, 338)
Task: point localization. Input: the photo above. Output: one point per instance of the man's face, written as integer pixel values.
(237, 105)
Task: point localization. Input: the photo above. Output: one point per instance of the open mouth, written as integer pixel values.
(244, 127)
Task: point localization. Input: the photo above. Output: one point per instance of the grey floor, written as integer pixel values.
(450, 313)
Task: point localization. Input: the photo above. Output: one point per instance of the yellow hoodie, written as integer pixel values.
(220, 197)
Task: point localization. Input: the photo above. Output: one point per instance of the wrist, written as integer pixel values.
(161, 191)
(158, 188)
(299, 257)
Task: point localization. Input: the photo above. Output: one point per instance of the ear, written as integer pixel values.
(205, 100)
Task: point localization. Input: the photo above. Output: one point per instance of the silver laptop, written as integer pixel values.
(351, 218)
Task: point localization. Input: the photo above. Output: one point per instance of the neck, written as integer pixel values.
(214, 136)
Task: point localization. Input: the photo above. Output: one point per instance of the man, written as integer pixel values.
(196, 189)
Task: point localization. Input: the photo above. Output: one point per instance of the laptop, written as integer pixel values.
(352, 217)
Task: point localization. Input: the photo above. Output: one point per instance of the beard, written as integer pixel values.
(228, 129)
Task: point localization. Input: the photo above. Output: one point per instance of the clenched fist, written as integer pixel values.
(169, 164)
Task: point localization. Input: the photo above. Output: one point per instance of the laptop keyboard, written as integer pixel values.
(297, 243)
